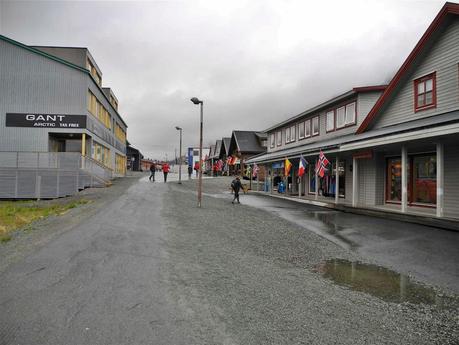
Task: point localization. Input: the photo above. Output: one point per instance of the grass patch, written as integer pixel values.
(18, 214)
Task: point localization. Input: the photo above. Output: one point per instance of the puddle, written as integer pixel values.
(383, 283)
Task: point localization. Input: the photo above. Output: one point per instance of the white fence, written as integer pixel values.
(35, 175)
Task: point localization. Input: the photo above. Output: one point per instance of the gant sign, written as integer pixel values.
(45, 120)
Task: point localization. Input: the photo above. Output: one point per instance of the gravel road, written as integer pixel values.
(144, 265)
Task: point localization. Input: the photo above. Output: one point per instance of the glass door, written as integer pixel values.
(394, 180)
(424, 186)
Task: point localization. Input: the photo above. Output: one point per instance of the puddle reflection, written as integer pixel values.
(383, 283)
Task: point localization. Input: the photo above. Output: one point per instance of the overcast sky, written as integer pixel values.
(254, 63)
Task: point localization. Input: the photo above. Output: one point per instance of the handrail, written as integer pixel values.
(97, 162)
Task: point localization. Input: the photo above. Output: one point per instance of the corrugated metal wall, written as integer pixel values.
(33, 83)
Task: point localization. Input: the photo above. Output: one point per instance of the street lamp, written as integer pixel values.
(180, 156)
(197, 101)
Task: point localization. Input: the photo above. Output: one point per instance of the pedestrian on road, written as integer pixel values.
(190, 172)
(236, 187)
(152, 171)
(166, 169)
(196, 167)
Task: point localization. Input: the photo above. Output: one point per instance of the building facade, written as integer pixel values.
(52, 100)
(393, 148)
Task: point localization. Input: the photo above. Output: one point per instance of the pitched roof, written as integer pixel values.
(226, 145)
(218, 149)
(447, 10)
(246, 142)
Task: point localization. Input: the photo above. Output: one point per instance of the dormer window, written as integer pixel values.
(425, 94)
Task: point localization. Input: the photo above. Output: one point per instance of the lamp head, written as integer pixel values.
(195, 100)
(178, 128)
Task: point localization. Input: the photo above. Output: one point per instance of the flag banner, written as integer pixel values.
(302, 166)
(255, 170)
(321, 166)
(287, 167)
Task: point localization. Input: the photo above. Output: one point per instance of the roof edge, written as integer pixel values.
(448, 8)
(39, 52)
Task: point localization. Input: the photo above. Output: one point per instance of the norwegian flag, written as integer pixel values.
(302, 166)
(255, 170)
(321, 165)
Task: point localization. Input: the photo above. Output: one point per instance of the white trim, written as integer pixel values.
(396, 138)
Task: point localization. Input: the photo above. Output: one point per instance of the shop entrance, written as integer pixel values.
(64, 142)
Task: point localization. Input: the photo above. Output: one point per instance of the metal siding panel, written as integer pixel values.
(442, 58)
(33, 83)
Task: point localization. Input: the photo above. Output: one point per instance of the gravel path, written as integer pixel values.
(143, 265)
(254, 273)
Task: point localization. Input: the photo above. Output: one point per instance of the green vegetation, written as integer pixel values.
(18, 214)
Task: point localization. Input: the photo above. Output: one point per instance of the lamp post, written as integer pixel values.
(180, 156)
(197, 101)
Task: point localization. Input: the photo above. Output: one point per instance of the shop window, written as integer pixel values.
(330, 120)
(424, 187)
(421, 180)
(315, 126)
(425, 96)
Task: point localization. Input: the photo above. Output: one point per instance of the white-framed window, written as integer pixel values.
(301, 130)
(350, 114)
(272, 140)
(287, 135)
(315, 126)
(340, 117)
(292, 133)
(330, 120)
(307, 128)
(279, 138)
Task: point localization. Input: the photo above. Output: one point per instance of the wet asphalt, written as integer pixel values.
(151, 268)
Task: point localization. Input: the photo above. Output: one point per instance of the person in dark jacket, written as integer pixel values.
(236, 186)
(190, 171)
(152, 172)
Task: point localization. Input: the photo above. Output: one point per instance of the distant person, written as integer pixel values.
(196, 168)
(166, 169)
(152, 171)
(236, 186)
(190, 172)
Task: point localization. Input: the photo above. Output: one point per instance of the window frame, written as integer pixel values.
(332, 111)
(308, 123)
(354, 121)
(279, 138)
(293, 133)
(318, 126)
(431, 76)
(301, 125)
(272, 140)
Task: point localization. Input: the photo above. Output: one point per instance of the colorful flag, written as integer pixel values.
(287, 167)
(302, 166)
(255, 170)
(321, 165)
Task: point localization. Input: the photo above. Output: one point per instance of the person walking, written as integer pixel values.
(190, 172)
(166, 169)
(152, 171)
(236, 186)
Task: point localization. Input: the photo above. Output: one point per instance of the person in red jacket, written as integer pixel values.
(166, 169)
